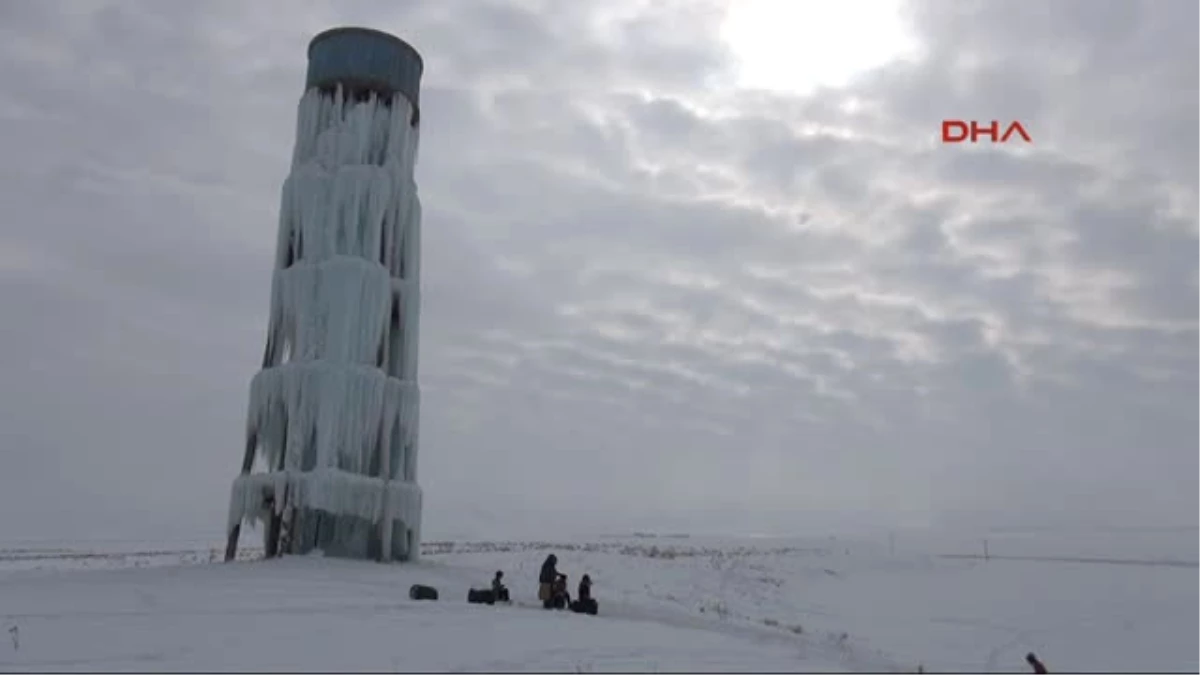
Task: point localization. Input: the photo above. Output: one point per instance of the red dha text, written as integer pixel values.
(957, 131)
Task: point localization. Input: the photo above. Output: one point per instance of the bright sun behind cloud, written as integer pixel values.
(795, 46)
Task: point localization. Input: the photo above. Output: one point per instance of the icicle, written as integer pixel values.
(335, 310)
(332, 491)
(405, 501)
(414, 433)
(342, 404)
(249, 497)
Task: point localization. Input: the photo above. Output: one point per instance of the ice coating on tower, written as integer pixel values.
(330, 491)
(333, 414)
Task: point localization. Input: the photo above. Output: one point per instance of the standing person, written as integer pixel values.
(546, 580)
(1035, 663)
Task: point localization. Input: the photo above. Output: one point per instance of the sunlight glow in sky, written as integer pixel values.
(797, 46)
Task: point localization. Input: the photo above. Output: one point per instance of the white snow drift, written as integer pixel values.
(698, 604)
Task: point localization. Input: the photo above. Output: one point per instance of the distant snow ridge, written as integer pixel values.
(334, 412)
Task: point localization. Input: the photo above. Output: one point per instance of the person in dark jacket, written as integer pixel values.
(559, 597)
(546, 580)
(1035, 663)
(584, 604)
(499, 590)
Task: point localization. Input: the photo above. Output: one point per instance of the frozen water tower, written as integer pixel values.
(330, 461)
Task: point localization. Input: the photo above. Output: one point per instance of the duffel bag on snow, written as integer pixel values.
(588, 606)
(419, 592)
(481, 597)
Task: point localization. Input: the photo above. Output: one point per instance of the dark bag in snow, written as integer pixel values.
(481, 597)
(585, 606)
(419, 592)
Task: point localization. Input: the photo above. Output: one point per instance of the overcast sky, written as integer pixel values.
(683, 267)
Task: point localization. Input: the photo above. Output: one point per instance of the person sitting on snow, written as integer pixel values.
(584, 604)
(559, 597)
(499, 590)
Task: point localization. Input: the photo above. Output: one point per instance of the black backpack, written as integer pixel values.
(481, 597)
(419, 592)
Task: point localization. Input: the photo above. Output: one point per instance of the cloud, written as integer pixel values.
(647, 293)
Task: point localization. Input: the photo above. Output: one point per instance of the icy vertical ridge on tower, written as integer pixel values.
(333, 415)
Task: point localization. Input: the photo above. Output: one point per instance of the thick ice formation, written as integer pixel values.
(330, 491)
(334, 413)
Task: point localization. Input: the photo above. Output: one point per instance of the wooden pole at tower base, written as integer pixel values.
(275, 524)
(247, 463)
(385, 518)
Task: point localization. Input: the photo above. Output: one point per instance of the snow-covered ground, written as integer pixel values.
(667, 604)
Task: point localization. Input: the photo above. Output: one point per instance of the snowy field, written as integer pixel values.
(889, 603)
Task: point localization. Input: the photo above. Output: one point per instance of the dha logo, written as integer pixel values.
(957, 131)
